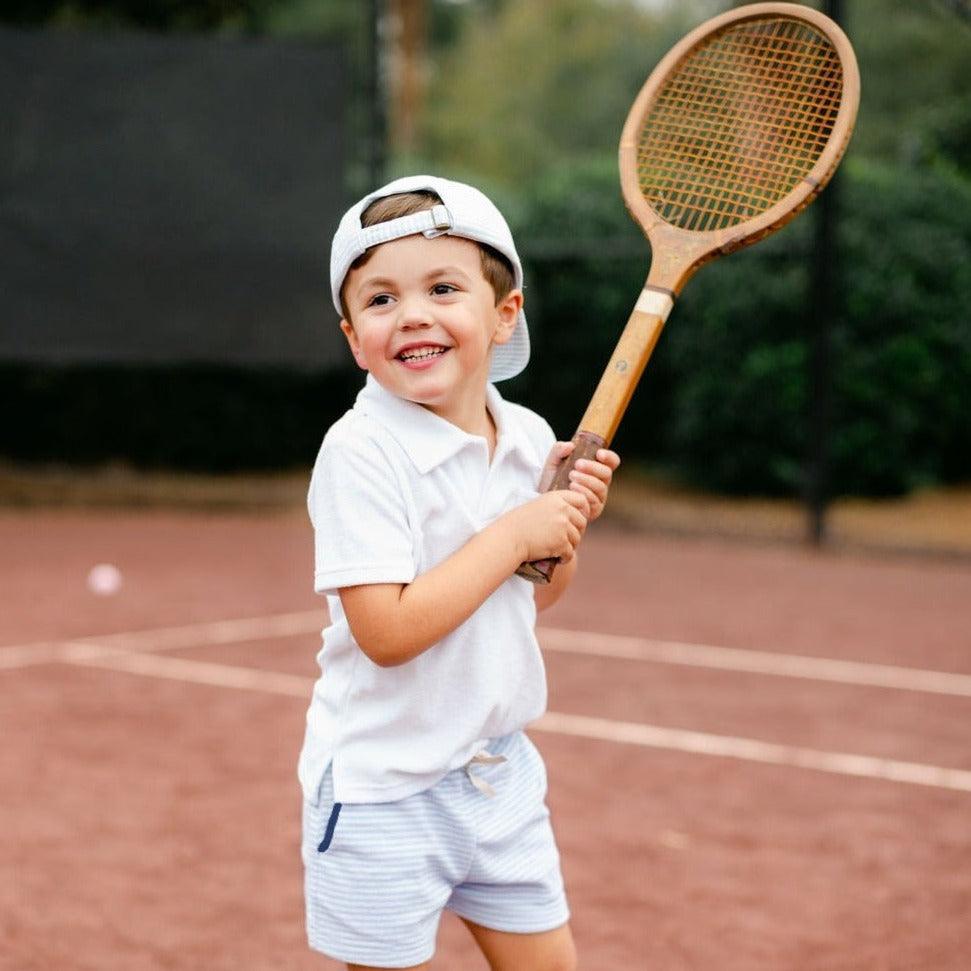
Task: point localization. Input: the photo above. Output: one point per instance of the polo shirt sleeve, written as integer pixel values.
(360, 517)
(540, 434)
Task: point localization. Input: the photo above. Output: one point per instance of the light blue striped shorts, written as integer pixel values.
(378, 875)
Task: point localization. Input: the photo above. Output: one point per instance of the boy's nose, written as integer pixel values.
(414, 312)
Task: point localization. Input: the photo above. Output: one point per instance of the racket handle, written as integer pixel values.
(585, 446)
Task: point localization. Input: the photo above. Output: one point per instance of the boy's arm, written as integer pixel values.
(394, 623)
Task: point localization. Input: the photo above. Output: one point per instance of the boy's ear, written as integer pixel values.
(354, 344)
(508, 311)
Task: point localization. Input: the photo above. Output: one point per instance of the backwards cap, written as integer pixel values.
(464, 212)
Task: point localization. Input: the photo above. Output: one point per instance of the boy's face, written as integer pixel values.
(423, 320)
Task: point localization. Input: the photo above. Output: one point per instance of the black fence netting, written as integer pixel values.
(166, 199)
(166, 205)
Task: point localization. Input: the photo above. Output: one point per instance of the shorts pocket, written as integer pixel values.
(331, 826)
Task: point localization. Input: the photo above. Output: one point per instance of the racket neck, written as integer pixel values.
(675, 256)
(626, 365)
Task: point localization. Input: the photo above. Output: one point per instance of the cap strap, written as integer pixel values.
(430, 222)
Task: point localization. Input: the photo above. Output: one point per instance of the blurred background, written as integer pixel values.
(171, 173)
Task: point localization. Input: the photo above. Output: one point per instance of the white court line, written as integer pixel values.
(195, 672)
(592, 643)
(204, 634)
(23, 655)
(214, 632)
(752, 750)
(755, 662)
(557, 723)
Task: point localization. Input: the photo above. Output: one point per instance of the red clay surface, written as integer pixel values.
(153, 823)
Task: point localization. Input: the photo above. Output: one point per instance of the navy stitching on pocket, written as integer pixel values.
(331, 826)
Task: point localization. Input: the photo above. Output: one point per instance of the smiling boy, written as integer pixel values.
(443, 363)
(421, 790)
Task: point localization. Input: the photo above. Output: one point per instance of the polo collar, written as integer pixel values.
(430, 440)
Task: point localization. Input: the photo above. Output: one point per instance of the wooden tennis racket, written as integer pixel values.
(734, 133)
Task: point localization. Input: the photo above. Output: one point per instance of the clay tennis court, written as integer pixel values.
(759, 756)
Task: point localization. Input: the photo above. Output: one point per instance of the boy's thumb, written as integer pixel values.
(557, 454)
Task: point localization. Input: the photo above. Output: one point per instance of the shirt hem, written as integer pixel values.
(352, 794)
(402, 790)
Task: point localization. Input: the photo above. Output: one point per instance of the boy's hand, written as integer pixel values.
(549, 526)
(588, 478)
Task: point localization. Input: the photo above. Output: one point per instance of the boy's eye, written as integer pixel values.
(379, 300)
(440, 289)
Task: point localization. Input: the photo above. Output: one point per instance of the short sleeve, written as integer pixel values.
(538, 431)
(360, 517)
(544, 436)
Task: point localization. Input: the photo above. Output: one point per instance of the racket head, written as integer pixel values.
(737, 130)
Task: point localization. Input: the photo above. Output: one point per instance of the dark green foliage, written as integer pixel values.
(904, 363)
(739, 383)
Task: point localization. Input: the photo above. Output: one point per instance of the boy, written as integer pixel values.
(421, 790)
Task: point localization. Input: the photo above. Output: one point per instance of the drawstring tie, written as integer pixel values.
(483, 758)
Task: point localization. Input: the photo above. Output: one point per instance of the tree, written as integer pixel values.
(521, 89)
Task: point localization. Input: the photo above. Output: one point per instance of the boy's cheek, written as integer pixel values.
(357, 349)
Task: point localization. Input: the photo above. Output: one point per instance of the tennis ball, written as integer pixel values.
(104, 579)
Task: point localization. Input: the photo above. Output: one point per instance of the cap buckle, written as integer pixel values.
(441, 220)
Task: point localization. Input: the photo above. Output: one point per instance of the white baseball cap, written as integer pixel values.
(465, 212)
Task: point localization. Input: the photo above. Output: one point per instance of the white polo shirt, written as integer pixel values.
(396, 490)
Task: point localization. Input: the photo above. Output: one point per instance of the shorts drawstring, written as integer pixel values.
(483, 758)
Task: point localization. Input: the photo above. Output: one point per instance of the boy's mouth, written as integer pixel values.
(423, 352)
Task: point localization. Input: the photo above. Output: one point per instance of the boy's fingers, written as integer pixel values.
(578, 505)
(554, 460)
(574, 498)
(597, 486)
(579, 517)
(601, 470)
(592, 498)
(560, 451)
(609, 458)
(586, 509)
(594, 501)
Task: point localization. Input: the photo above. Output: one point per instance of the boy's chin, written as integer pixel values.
(425, 398)
(437, 393)
(434, 399)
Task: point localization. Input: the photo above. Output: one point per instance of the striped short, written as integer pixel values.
(378, 875)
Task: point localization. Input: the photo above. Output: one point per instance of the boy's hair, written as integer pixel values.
(496, 268)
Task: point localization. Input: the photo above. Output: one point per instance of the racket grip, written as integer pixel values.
(585, 446)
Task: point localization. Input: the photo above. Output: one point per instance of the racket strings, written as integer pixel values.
(740, 123)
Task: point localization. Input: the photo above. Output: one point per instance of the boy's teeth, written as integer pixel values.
(424, 352)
